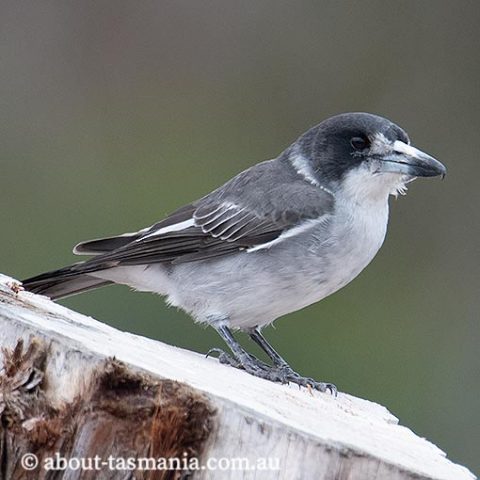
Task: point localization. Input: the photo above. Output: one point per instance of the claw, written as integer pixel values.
(320, 386)
(332, 388)
(214, 350)
(286, 374)
(224, 358)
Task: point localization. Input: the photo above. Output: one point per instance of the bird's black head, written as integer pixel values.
(363, 148)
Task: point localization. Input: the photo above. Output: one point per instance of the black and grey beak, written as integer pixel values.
(403, 158)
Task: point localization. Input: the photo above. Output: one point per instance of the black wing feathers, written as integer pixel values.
(253, 208)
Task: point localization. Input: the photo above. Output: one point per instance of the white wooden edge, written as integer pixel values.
(301, 428)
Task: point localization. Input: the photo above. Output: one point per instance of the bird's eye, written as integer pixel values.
(360, 143)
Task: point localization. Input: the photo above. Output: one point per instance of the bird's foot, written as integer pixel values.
(279, 374)
(226, 359)
(287, 375)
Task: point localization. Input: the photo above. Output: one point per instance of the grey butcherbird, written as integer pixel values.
(277, 237)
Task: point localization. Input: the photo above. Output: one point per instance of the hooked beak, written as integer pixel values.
(405, 159)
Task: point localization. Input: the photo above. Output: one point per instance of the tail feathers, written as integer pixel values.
(103, 245)
(62, 283)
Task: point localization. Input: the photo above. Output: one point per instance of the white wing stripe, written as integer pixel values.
(303, 227)
(238, 226)
(226, 227)
(176, 227)
(198, 217)
(208, 225)
(222, 208)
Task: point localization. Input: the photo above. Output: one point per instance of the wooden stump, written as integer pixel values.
(87, 401)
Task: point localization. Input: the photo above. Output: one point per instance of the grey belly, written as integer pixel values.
(253, 289)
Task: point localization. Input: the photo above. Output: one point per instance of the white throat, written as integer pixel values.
(362, 185)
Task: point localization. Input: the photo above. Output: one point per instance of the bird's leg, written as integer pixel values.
(240, 358)
(281, 372)
(261, 341)
(285, 372)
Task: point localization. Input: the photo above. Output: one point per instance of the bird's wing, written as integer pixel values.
(247, 213)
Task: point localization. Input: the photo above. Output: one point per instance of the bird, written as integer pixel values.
(277, 237)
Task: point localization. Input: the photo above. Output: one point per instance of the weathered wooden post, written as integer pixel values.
(81, 400)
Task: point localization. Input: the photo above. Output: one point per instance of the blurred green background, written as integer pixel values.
(114, 113)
